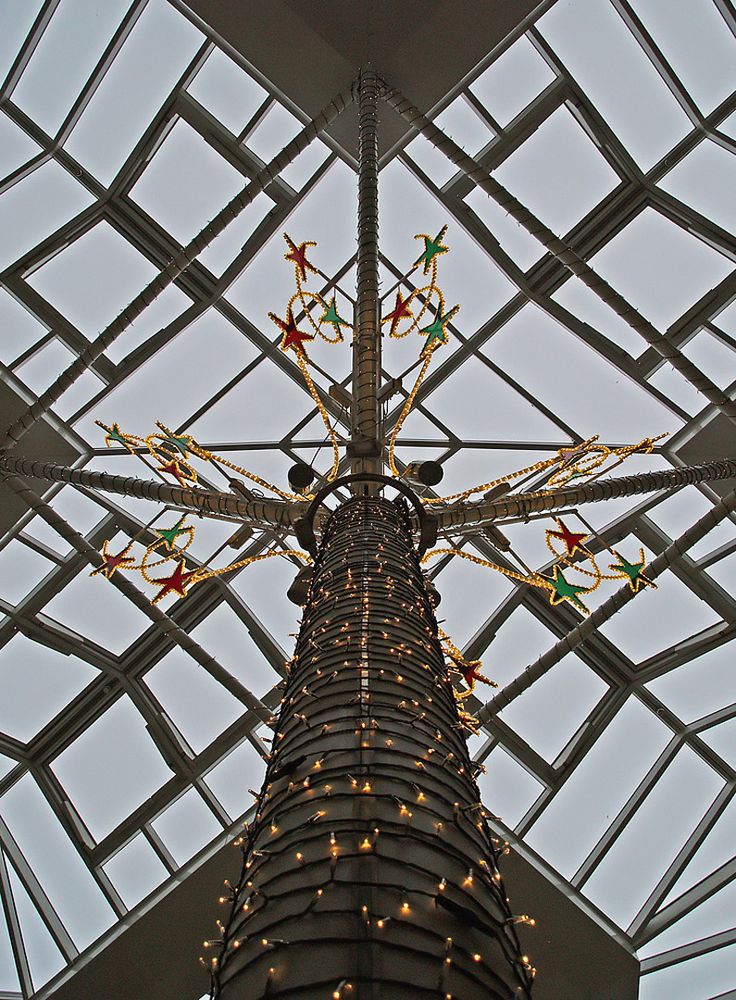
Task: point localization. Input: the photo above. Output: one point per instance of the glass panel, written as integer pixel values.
(186, 826)
(21, 568)
(20, 330)
(558, 173)
(197, 704)
(695, 40)
(15, 146)
(604, 401)
(712, 917)
(605, 59)
(56, 862)
(658, 619)
(574, 690)
(204, 357)
(661, 269)
(116, 622)
(705, 180)
(677, 513)
(112, 768)
(186, 183)
(653, 837)
(699, 687)
(704, 978)
(136, 870)
(507, 789)
(36, 206)
(227, 91)
(243, 768)
(277, 127)
(67, 53)
(716, 850)
(273, 576)
(464, 617)
(36, 682)
(583, 809)
(44, 957)
(678, 389)
(264, 406)
(465, 126)
(17, 22)
(91, 280)
(224, 635)
(513, 81)
(477, 404)
(305, 164)
(153, 57)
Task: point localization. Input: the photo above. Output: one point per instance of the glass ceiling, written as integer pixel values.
(123, 130)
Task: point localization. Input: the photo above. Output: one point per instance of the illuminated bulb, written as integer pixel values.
(300, 857)
(442, 885)
(477, 957)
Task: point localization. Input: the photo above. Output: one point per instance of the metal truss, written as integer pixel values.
(177, 265)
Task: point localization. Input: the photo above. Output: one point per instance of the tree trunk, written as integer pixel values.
(369, 871)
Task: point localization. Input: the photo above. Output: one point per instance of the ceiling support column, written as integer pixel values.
(364, 449)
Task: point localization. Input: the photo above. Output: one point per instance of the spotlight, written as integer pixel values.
(424, 473)
(301, 477)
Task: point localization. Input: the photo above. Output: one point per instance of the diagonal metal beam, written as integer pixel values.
(561, 250)
(179, 264)
(699, 530)
(523, 504)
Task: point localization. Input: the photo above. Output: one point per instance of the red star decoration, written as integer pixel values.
(112, 562)
(471, 674)
(177, 582)
(174, 470)
(292, 337)
(298, 256)
(572, 539)
(401, 311)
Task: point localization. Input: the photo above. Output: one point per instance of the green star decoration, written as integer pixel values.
(432, 248)
(436, 330)
(115, 434)
(632, 572)
(332, 316)
(181, 444)
(561, 590)
(170, 535)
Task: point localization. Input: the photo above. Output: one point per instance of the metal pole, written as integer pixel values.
(369, 870)
(365, 449)
(272, 513)
(172, 271)
(602, 489)
(663, 561)
(481, 176)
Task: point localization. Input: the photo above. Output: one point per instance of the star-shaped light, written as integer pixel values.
(174, 469)
(633, 572)
(176, 583)
(112, 562)
(561, 589)
(115, 436)
(400, 311)
(436, 332)
(292, 337)
(181, 443)
(432, 249)
(572, 539)
(170, 535)
(332, 316)
(298, 256)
